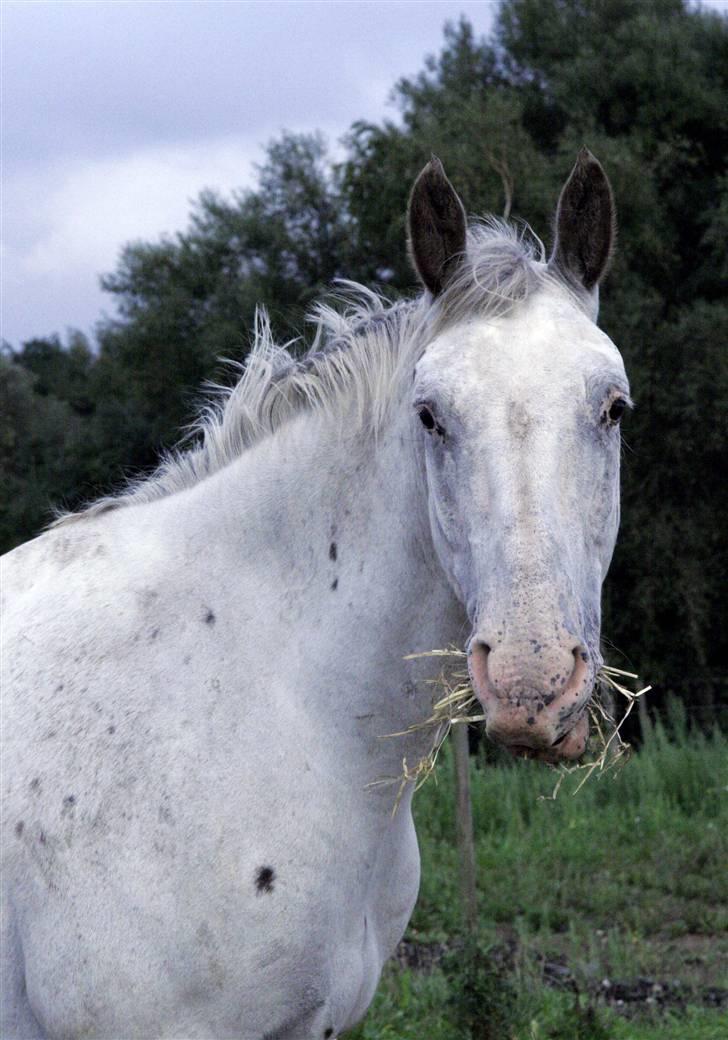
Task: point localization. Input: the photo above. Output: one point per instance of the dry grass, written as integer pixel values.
(458, 706)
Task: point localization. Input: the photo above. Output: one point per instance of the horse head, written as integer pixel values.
(518, 401)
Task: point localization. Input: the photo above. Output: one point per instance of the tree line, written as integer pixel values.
(645, 87)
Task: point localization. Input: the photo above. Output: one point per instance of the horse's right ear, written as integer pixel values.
(436, 227)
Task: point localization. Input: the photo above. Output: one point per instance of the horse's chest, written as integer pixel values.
(192, 879)
(146, 969)
(193, 987)
(264, 937)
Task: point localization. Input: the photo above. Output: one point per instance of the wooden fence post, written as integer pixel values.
(464, 825)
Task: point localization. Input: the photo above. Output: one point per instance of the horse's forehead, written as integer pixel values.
(547, 347)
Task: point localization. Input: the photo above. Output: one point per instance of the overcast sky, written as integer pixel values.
(117, 113)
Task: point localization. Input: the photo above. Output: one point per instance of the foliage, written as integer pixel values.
(40, 435)
(644, 85)
(481, 999)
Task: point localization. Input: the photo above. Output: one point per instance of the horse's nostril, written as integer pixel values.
(478, 666)
(479, 650)
(581, 654)
(581, 666)
(560, 740)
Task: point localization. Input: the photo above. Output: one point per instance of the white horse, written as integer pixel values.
(200, 671)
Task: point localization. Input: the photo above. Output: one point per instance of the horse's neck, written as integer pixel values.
(333, 527)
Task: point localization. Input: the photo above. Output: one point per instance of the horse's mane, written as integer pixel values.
(363, 347)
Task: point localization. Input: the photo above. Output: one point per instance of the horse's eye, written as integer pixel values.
(426, 417)
(429, 421)
(616, 410)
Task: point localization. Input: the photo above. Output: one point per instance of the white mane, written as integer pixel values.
(358, 356)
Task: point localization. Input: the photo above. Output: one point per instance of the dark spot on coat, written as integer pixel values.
(334, 584)
(35, 783)
(210, 618)
(333, 552)
(549, 697)
(153, 634)
(584, 656)
(328, 1032)
(531, 720)
(19, 827)
(111, 729)
(59, 687)
(70, 799)
(264, 879)
(42, 838)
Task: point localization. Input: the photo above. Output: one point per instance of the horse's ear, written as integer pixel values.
(436, 227)
(585, 224)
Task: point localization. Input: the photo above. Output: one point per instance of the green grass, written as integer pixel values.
(412, 1006)
(627, 878)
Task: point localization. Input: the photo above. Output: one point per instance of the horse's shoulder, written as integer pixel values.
(43, 558)
(58, 591)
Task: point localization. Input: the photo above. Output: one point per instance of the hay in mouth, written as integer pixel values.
(459, 705)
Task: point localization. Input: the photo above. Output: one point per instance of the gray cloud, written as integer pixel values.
(113, 108)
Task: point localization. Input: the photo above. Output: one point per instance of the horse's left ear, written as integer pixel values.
(436, 227)
(586, 225)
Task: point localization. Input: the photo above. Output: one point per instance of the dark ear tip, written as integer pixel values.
(434, 170)
(587, 163)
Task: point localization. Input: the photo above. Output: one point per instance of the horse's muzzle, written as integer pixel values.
(534, 715)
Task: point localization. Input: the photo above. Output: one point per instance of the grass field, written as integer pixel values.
(602, 915)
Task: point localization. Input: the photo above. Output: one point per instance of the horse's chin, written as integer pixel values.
(568, 748)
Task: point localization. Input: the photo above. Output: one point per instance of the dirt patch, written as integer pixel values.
(420, 956)
(636, 992)
(627, 995)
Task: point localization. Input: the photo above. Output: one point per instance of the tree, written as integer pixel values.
(39, 450)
